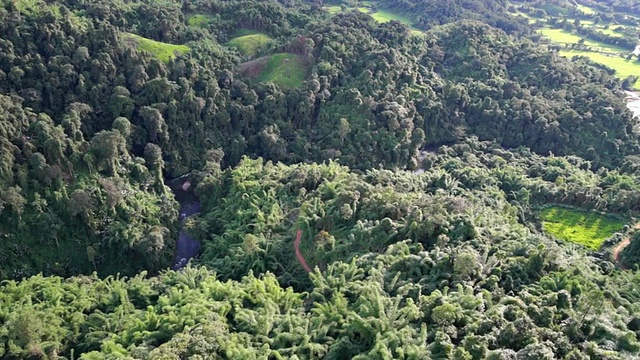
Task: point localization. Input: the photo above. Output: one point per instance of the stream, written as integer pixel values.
(186, 246)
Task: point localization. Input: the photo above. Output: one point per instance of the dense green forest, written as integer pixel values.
(458, 189)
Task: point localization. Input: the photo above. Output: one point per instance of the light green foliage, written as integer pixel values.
(162, 51)
(30, 7)
(622, 66)
(587, 228)
(285, 70)
(200, 20)
(250, 44)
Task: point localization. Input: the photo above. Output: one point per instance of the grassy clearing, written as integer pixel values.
(162, 51)
(564, 37)
(333, 9)
(530, 19)
(610, 31)
(200, 20)
(285, 74)
(581, 227)
(250, 44)
(585, 9)
(385, 16)
(622, 66)
(382, 16)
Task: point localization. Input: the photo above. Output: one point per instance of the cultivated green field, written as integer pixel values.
(250, 44)
(163, 51)
(622, 66)
(286, 74)
(559, 35)
(200, 20)
(564, 37)
(581, 227)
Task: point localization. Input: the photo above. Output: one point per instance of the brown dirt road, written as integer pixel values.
(623, 244)
(618, 249)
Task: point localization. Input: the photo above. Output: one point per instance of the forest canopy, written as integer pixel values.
(412, 169)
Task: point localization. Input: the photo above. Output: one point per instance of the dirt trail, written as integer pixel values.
(618, 249)
(296, 246)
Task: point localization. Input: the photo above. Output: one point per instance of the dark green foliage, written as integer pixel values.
(449, 261)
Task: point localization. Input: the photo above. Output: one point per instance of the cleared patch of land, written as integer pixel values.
(622, 66)
(585, 9)
(562, 36)
(333, 9)
(250, 44)
(200, 20)
(163, 51)
(581, 227)
(382, 16)
(284, 70)
(610, 31)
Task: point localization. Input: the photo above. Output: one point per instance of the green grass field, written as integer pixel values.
(530, 19)
(585, 9)
(200, 20)
(609, 31)
(382, 16)
(622, 66)
(162, 51)
(250, 44)
(285, 74)
(581, 227)
(564, 37)
(333, 9)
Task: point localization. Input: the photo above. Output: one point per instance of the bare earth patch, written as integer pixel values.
(253, 68)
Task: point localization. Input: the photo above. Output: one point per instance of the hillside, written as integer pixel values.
(287, 179)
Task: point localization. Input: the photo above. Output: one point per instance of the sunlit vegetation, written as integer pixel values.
(590, 229)
(285, 70)
(348, 191)
(383, 16)
(585, 9)
(623, 67)
(333, 9)
(163, 51)
(32, 7)
(565, 37)
(251, 43)
(200, 20)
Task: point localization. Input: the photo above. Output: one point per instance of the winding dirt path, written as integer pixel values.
(618, 249)
(296, 246)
